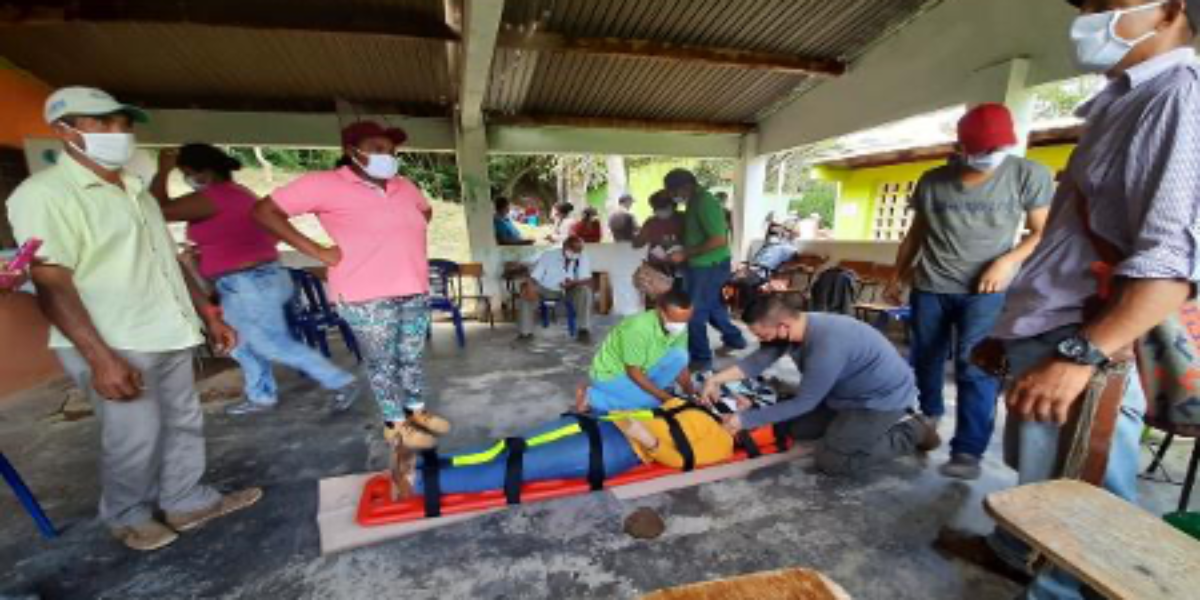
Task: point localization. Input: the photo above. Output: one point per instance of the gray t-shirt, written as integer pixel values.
(968, 228)
(843, 362)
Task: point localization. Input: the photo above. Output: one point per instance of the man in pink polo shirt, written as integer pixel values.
(378, 269)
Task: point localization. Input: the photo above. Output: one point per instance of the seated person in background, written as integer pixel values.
(506, 231)
(621, 222)
(560, 450)
(856, 393)
(640, 358)
(588, 228)
(562, 275)
(661, 233)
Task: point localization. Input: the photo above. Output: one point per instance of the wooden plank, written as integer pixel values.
(380, 21)
(648, 49)
(607, 123)
(1115, 547)
(785, 584)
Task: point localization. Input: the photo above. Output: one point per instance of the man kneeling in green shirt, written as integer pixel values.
(641, 357)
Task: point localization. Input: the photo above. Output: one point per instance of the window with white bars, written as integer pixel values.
(892, 216)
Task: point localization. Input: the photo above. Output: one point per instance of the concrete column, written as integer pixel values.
(477, 201)
(750, 204)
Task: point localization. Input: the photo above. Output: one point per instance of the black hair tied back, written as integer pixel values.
(206, 157)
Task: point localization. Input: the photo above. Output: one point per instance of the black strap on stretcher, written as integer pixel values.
(782, 440)
(591, 428)
(677, 435)
(431, 464)
(743, 438)
(514, 472)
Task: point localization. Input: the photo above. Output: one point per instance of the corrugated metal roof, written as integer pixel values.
(270, 52)
(529, 82)
(182, 64)
(821, 28)
(595, 86)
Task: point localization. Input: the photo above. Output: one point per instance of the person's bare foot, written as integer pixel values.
(404, 469)
(581, 401)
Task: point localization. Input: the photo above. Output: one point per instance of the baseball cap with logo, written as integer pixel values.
(88, 102)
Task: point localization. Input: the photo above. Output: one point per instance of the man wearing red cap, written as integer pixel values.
(960, 257)
(378, 269)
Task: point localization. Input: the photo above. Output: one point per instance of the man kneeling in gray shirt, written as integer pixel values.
(856, 393)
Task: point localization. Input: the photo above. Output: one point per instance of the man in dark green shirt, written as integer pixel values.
(707, 257)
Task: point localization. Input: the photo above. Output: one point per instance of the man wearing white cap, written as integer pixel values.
(125, 320)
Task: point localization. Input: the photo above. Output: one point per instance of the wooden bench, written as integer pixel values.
(785, 584)
(1115, 547)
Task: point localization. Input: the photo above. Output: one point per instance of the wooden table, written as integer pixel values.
(785, 584)
(1117, 548)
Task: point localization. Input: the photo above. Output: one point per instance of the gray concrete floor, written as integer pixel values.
(873, 536)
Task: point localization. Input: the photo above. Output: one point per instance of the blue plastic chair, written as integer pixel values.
(26, 497)
(548, 307)
(443, 276)
(311, 316)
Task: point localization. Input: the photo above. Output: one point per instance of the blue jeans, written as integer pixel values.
(621, 393)
(967, 319)
(253, 301)
(703, 285)
(1032, 449)
(566, 458)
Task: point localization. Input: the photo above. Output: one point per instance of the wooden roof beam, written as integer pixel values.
(651, 50)
(276, 16)
(609, 123)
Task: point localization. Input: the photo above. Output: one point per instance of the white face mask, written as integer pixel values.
(380, 166)
(571, 255)
(675, 329)
(664, 214)
(109, 150)
(988, 162)
(194, 183)
(1098, 47)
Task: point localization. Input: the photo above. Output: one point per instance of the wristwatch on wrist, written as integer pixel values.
(1081, 351)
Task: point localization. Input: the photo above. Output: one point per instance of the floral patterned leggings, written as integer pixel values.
(391, 333)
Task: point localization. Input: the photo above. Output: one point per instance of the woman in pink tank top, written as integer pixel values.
(241, 261)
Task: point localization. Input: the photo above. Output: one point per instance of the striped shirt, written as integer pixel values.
(1138, 164)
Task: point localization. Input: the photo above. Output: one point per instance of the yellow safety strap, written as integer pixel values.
(486, 456)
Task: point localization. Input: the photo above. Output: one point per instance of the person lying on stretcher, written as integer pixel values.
(561, 449)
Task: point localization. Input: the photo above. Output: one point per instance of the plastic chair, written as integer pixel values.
(26, 497)
(482, 301)
(547, 306)
(443, 274)
(1172, 431)
(311, 315)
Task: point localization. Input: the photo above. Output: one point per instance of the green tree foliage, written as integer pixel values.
(435, 172)
(818, 197)
(1061, 98)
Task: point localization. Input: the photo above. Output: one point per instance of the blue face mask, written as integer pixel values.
(987, 162)
(1098, 47)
